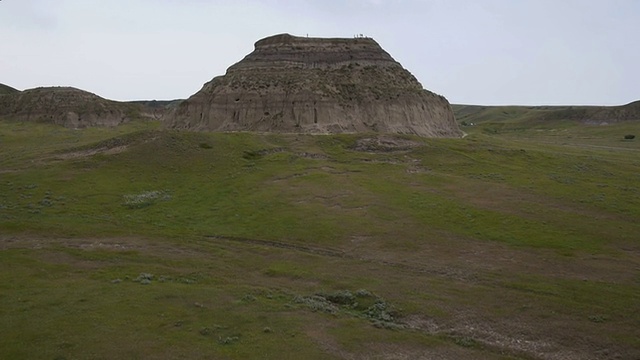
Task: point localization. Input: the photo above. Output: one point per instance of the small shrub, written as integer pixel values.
(205, 331)
(228, 340)
(46, 202)
(144, 278)
(629, 137)
(380, 311)
(363, 293)
(205, 146)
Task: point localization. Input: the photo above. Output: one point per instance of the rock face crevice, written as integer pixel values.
(294, 84)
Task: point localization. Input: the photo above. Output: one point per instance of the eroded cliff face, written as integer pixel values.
(310, 85)
(65, 106)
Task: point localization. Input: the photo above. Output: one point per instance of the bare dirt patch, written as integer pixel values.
(92, 244)
(91, 152)
(385, 144)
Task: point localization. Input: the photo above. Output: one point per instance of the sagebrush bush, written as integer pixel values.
(316, 303)
(342, 297)
(380, 311)
(144, 278)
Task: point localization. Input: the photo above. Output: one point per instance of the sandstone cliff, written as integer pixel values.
(65, 106)
(313, 85)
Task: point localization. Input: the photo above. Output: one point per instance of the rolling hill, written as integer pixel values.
(66, 106)
(590, 115)
(140, 242)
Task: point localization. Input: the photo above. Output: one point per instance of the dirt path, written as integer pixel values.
(433, 270)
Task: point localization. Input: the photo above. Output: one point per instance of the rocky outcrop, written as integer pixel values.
(294, 84)
(65, 106)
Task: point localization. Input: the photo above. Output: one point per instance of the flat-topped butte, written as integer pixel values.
(292, 84)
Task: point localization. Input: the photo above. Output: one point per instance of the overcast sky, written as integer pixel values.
(529, 52)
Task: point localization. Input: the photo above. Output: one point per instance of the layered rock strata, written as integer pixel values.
(294, 84)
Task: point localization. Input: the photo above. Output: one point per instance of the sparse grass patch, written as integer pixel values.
(598, 318)
(145, 198)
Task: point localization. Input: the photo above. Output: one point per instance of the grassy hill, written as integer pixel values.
(592, 115)
(519, 241)
(69, 107)
(4, 90)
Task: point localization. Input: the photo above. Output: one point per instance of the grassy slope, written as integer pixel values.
(540, 115)
(517, 241)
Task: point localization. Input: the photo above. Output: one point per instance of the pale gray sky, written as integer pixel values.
(529, 52)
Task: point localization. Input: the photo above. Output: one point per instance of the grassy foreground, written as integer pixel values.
(518, 241)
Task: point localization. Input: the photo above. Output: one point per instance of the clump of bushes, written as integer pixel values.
(316, 304)
(362, 304)
(341, 297)
(629, 137)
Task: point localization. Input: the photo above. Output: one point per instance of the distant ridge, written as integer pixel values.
(65, 106)
(633, 104)
(591, 115)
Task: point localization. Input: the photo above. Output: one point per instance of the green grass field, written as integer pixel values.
(520, 241)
